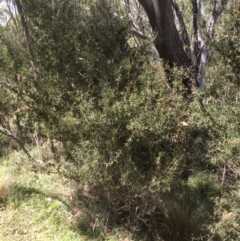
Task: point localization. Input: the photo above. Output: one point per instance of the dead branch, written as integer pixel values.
(8, 133)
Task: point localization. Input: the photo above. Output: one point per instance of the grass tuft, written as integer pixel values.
(6, 187)
(184, 218)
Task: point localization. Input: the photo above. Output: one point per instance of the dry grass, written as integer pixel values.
(5, 189)
(184, 219)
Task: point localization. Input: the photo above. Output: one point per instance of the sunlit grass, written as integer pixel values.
(35, 205)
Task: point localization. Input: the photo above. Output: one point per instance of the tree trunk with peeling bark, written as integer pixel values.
(168, 42)
(173, 46)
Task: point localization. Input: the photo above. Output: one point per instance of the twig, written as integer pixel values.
(224, 173)
(223, 178)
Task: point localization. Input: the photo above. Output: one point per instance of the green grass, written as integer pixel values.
(39, 206)
(36, 204)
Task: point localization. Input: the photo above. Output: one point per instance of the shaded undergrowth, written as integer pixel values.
(43, 205)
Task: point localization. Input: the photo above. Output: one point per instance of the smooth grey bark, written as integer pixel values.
(218, 7)
(200, 50)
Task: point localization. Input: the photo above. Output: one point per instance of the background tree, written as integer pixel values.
(173, 42)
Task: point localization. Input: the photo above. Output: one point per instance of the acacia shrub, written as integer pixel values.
(121, 124)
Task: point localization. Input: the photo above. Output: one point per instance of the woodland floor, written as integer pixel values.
(39, 205)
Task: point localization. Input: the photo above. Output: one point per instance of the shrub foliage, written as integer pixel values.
(86, 86)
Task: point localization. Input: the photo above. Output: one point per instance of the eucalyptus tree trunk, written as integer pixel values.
(174, 46)
(168, 42)
(26, 34)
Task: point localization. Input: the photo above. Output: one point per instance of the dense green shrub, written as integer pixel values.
(122, 126)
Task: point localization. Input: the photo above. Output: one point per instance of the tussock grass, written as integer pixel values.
(184, 219)
(5, 188)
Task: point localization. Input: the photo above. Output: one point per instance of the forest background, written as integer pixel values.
(135, 102)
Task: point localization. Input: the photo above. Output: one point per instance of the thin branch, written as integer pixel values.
(8, 133)
(138, 33)
(141, 28)
(24, 24)
(134, 13)
(183, 31)
(224, 174)
(26, 33)
(203, 49)
(11, 14)
(216, 12)
(223, 179)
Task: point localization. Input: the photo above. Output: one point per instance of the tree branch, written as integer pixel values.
(138, 33)
(203, 51)
(199, 58)
(141, 28)
(217, 10)
(26, 33)
(183, 30)
(8, 133)
(24, 24)
(11, 14)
